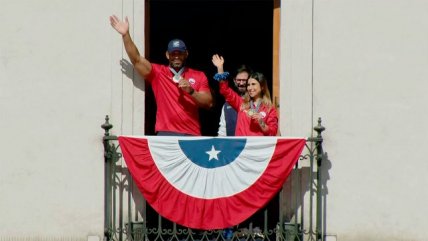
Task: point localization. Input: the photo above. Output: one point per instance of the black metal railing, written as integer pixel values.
(296, 213)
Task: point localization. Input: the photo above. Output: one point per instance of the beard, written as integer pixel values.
(242, 90)
(176, 65)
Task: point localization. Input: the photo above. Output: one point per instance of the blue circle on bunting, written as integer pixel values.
(196, 151)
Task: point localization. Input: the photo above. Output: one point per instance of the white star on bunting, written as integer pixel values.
(213, 153)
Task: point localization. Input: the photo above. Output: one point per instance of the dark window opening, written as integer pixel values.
(240, 30)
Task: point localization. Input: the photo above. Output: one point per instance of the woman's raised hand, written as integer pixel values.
(218, 62)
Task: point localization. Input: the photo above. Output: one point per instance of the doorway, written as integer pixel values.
(239, 30)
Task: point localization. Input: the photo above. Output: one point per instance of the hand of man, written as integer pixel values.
(185, 86)
(121, 27)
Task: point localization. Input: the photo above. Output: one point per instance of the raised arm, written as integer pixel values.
(218, 62)
(230, 96)
(141, 64)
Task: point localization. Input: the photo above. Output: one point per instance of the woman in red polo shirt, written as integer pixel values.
(256, 114)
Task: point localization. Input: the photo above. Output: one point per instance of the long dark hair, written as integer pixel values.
(265, 93)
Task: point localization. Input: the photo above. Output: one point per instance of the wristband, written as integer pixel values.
(221, 76)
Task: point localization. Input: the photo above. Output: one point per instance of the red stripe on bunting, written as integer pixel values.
(207, 214)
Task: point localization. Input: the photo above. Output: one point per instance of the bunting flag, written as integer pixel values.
(209, 182)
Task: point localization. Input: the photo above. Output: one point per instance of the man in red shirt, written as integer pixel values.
(179, 91)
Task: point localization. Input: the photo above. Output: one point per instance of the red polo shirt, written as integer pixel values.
(176, 110)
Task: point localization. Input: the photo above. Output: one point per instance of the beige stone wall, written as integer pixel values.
(361, 66)
(59, 76)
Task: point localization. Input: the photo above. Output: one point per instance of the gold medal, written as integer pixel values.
(250, 112)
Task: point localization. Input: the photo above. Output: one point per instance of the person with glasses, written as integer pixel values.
(227, 124)
(179, 90)
(256, 114)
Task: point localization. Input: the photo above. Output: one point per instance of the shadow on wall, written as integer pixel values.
(325, 176)
(128, 70)
(299, 190)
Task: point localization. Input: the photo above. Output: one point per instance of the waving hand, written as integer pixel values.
(121, 27)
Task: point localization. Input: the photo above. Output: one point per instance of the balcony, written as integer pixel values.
(297, 211)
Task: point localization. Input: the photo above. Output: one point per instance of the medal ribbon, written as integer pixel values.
(256, 108)
(177, 75)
